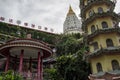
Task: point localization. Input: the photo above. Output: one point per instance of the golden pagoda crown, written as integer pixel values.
(70, 11)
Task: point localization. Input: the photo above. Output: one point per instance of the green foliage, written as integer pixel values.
(68, 44)
(70, 64)
(52, 74)
(73, 67)
(11, 31)
(10, 75)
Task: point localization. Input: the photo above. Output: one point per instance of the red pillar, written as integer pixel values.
(7, 62)
(39, 61)
(41, 69)
(30, 64)
(21, 61)
(15, 61)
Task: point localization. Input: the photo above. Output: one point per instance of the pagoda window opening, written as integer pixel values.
(92, 28)
(104, 25)
(109, 43)
(115, 24)
(91, 12)
(115, 65)
(99, 67)
(100, 10)
(95, 45)
(89, 1)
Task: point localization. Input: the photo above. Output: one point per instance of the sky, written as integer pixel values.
(45, 13)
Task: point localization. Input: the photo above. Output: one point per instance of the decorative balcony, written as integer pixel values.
(109, 50)
(95, 2)
(100, 15)
(113, 75)
(102, 31)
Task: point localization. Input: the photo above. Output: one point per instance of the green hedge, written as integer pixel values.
(21, 32)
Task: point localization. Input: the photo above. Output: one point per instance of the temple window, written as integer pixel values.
(115, 24)
(115, 65)
(104, 24)
(109, 43)
(92, 28)
(95, 45)
(91, 12)
(100, 10)
(89, 1)
(99, 67)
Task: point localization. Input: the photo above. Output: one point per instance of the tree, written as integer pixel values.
(51, 74)
(70, 64)
(10, 75)
(68, 44)
(73, 67)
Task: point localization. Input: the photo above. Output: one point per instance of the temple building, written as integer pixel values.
(22, 53)
(72, 24)
(100, 23)
(25, 50)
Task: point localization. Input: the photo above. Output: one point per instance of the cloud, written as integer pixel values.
(117, 8)
(47, 13)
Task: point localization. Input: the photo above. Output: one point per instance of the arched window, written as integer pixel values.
(91, 12)
(109, 43)
(100, 10)
(115, 65)
(104, 24)
(89, 1)
(99, 67)
(95, 45)
(92, 28)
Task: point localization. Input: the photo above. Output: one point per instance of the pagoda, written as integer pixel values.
(72, 24)
(102, 35)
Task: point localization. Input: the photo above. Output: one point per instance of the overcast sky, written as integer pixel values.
(45, 13)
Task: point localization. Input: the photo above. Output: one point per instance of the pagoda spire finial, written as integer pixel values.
(70, 10)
